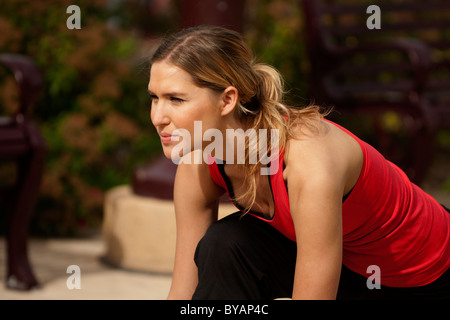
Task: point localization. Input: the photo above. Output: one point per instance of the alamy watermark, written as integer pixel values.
(373, 281)
(374, 20)
(235, 141)
(74, 280)
(74, 20)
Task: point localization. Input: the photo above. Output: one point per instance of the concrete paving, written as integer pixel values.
(98, 280)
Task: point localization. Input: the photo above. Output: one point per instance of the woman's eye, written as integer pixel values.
(176, 100)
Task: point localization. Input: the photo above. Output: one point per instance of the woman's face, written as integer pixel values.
(177, 102)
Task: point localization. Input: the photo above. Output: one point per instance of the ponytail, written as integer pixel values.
(268, 110)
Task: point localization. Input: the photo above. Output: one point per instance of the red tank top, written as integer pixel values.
(387, 221)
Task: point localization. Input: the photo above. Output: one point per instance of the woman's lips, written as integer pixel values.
(167, 138)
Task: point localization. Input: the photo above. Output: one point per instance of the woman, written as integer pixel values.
(332, 219)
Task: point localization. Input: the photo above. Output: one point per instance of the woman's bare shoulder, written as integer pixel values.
(323, 151)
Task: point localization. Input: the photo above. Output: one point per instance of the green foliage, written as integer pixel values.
(93, 111)
(274, 31)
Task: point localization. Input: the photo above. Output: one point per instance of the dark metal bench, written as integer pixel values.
(21, 142)
(404, 66)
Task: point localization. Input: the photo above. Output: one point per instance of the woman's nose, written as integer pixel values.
(159, 115)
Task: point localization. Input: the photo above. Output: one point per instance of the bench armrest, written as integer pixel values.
(28, 79)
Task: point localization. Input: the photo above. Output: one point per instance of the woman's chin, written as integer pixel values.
(167, 153)
(172, 154)
(178, 156)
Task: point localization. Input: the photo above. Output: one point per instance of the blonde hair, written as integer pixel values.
(217, 58)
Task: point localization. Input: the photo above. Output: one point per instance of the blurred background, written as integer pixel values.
(93, 110)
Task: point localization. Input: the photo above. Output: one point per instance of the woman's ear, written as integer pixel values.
(230, 98)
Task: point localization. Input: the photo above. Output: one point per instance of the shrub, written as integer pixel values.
(93, 111)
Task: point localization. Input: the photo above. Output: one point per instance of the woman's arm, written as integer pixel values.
(316, 211)
(320, 169)
(196, 204)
